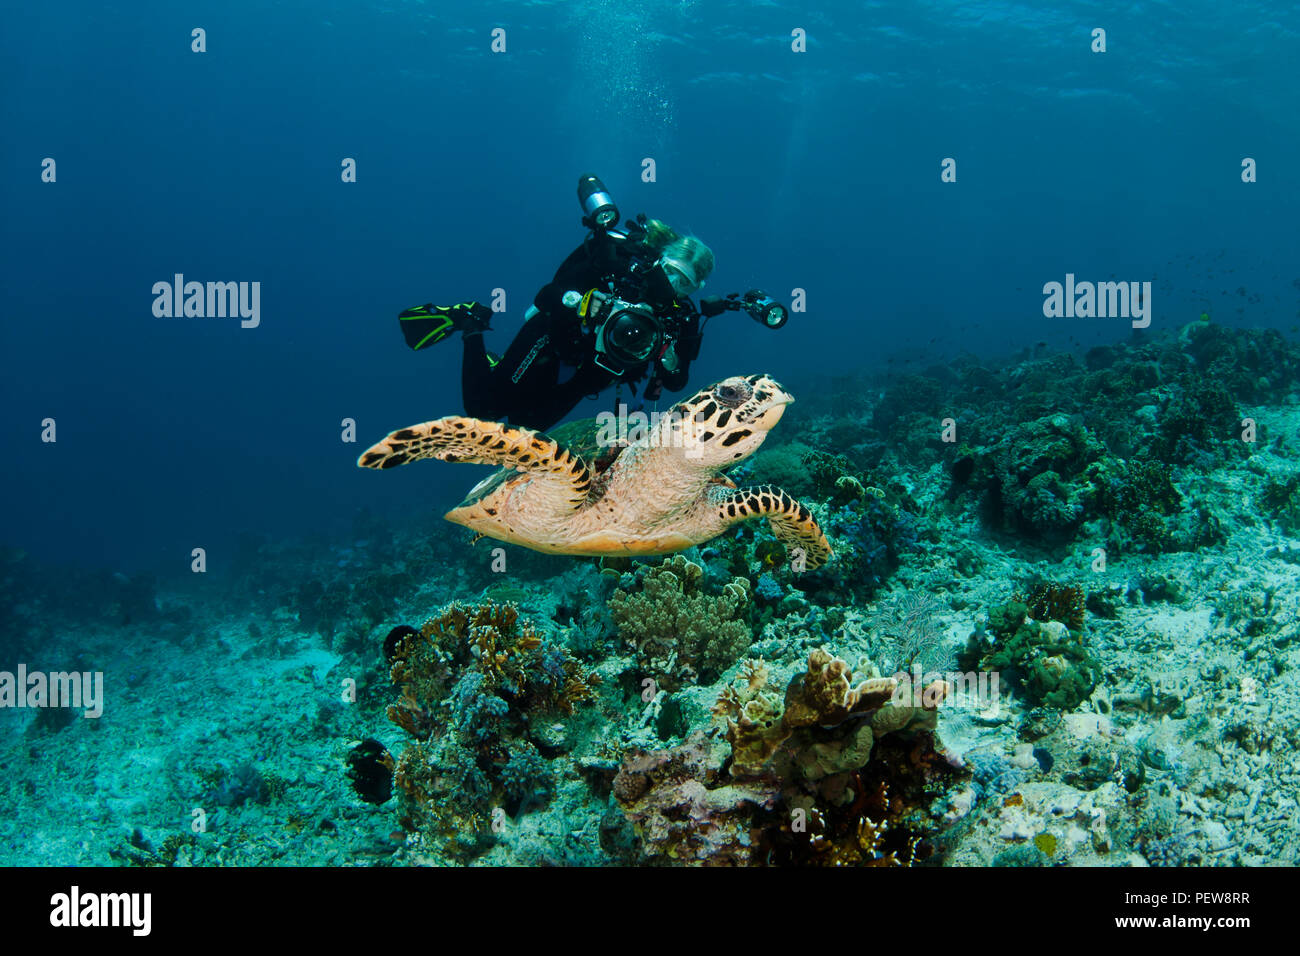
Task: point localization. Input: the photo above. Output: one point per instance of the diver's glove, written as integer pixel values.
(429, 324)
(669, 360)
(712, 305)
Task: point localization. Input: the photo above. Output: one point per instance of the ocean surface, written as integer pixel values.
(1044, 288)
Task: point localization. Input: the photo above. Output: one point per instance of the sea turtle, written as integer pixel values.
(662, 492)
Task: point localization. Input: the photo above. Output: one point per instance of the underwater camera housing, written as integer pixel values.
(627, 333)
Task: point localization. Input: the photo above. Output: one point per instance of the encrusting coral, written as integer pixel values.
(1038, 645)
(680, 632)
(476, 683)
(759, 724)
(795, 789)
(684, 807)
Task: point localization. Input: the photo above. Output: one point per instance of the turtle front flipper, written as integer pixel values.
(792, 523)
(476, 442)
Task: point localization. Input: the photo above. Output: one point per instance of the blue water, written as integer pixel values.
(817, 170)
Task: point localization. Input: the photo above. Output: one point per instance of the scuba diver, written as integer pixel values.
(617, 311)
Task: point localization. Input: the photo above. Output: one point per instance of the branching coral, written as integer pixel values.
(1053, 602)
(680, 632)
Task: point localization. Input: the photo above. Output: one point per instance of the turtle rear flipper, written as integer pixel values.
(457, 438)
(792, 523)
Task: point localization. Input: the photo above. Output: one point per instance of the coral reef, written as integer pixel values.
(1043, 486)
(1156, 694)
(1138, 495)
(1041, 655)
(479, 689)
(796, 787)
(685, 808)
(909, 405)
(759, 724)
(1198, 422)
(682, 634)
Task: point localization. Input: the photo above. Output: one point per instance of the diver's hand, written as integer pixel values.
(669, 360)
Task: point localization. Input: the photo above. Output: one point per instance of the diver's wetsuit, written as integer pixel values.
(550, 366)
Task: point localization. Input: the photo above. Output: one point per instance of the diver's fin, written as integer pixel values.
(429, 324)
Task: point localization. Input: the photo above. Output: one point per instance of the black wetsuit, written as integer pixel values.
(535, 383)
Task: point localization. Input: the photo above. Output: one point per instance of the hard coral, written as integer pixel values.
(1048, 661)
(834, 479)
(682, 633)
(871, 534)
(758, 724)
(1042, 486)
(799, 766)
(685, 809)
(1064, 603)
(826, 696)
(476, 682)
(1199, 422)
(1138, 496)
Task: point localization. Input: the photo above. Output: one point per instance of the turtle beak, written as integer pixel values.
(774, 412)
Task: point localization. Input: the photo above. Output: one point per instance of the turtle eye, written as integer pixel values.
(733, 395)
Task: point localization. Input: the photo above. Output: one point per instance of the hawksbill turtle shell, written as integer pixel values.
(579, 491)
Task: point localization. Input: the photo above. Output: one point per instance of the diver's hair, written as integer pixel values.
(694, 253)
(658, 234)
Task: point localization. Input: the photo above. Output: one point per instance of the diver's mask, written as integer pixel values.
(681, 276)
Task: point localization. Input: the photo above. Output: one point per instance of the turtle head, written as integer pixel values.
(728, 421)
